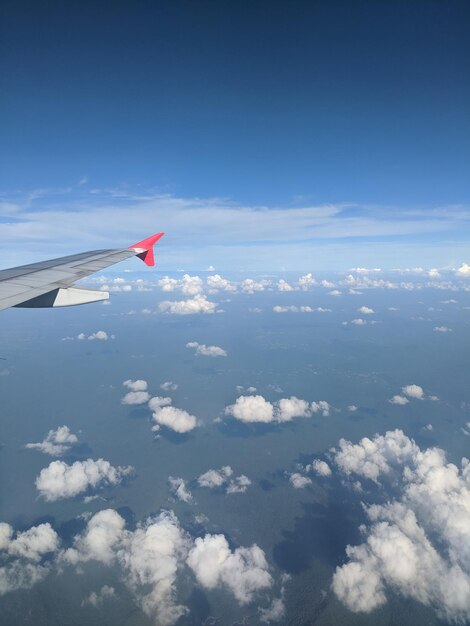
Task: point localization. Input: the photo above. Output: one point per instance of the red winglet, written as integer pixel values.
(147, 246)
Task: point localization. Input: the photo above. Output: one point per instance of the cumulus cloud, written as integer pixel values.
(410, 391)
(169, 416)
(442, 329)
(251, 409)
(249, 285)
(299, 481)
(179, 489)
(288, 408)
(418, 544)
(100, 335)
(255, 408)
(98, 598)
(151, 556)
(188, 285)
(243, 572)
(223, 477)
(321, 468)
(463, 271)
(200, 349)
(192, 306)
(397, 399)
(59, 480)
(283, 285)
(413, 391)
(365, 310)
(22, 555)
(56, 443)
(306, 282)
(217, 283)
(322, 406)
(241, 389)
(136, 397)
(169, 386)
(136, 385)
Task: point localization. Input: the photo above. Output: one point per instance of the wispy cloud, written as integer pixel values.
(215, 229)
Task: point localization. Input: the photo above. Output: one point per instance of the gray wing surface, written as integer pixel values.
(48, 283)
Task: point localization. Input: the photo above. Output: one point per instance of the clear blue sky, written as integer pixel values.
(264, 103)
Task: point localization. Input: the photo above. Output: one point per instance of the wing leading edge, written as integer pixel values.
(49, 283)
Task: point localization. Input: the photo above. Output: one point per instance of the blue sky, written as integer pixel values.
(272, 106)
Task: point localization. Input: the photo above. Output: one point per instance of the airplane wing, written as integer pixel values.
(49, 283)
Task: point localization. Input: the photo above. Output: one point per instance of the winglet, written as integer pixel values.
(145, 248)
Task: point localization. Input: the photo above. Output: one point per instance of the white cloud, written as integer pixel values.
(372, 457)
(136, 385)
(56, 443)
(136, 397)
(299, 481)
(239, 484)
(352, 408)
(215, 478)
(442, 329)
(358, 322)
(179, 489)
(157, 402)
(320, 467)
(294, 309)
(413, 391)
(251, 409)
(98, 598)
(31, 544)
(165, 415)
(365, 310)
(60, 480)
(288, 408)
(274, 612)
(169, 386)
(223, 477)
(188, 285)
(322, 406)
(335, 292)
(249, 285)
(257, 409)
(306, 282)
(150, 557)
(192, 306)
(241, 389)
(283, 285)
(365, 270)
(100, 335)
(417, 545)
(217, 283)
(24, 554)
(202, 350)
(98, 541)
(463, 271)
(243, 572)
(398, 400)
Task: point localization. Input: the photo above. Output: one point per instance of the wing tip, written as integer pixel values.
(146, 247)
